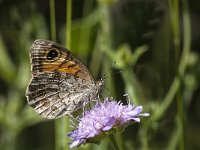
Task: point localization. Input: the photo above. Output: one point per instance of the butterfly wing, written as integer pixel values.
(53, 95)
(48, 56)
(60, 83)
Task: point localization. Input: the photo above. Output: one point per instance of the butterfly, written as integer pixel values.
(60, 82)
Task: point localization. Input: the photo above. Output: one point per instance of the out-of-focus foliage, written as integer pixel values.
(147, 41)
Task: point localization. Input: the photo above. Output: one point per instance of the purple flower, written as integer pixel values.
(102, 119)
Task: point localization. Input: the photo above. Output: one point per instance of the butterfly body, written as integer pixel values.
(60, 83)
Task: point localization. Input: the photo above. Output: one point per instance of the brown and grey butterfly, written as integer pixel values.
(60, 83)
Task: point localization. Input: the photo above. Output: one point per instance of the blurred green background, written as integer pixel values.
(147, 48)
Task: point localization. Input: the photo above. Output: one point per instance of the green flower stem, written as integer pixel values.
(174, 14)
(120, 141)
(175, 135)
(62, 125)
(8, 75)
(143, 135)
(180, 120)
(114, 142)
(68, 23)
(186, 49)
(167, 100)
(52, 19)
(175, 87)
(85, 33)
(175, 26)
(181, 68)
(65, 120)
(58, 123)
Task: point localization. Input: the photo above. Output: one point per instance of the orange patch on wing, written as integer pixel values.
(69, 67)
(50, 67)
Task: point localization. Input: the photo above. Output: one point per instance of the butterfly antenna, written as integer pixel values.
(108, 72)
(73, 120)
(92, 105)
(106, 90)
(72, 124)
(109, 75)
(103, 96)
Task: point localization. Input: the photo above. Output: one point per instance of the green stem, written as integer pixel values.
(186, 49)
(174, 10)
(120, 141)
(174, 15)
(143, 135)
(68, 23)
(65, 120)
(85, 32)
(175, 26)
(180, 119)
(175, 30)
(181, 68)
(173, 142)
(61, 126)
(52, 20)
(114, 142)
(58, 124)
(8, 75)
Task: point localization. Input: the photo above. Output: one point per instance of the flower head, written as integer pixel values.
(103, 118)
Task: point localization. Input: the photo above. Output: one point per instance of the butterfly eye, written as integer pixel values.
(52, 54)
